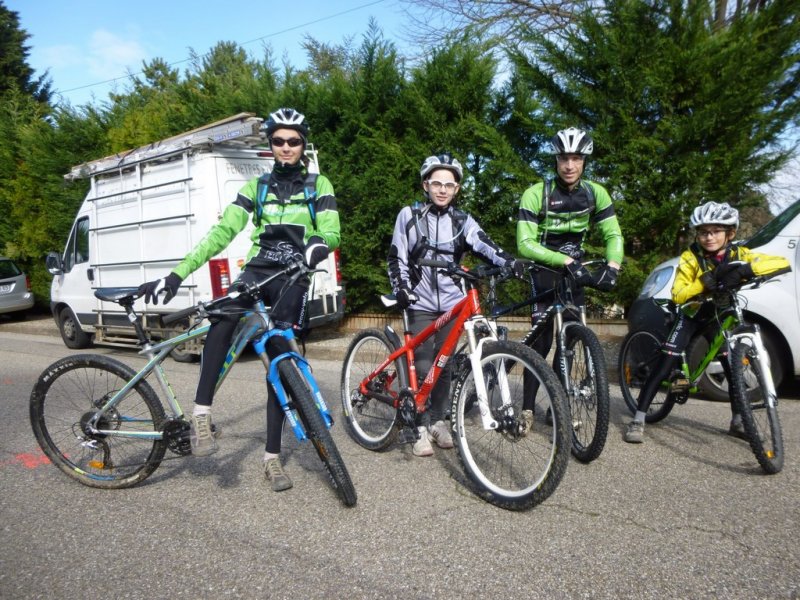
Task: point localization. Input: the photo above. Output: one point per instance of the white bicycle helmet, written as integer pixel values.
(441, 161)
(712, 213)
(572, 141)
(286, 118)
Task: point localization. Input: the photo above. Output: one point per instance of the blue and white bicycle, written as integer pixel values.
(103, 424)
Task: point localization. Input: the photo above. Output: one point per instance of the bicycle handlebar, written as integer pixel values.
(296, 268)
(451, 268)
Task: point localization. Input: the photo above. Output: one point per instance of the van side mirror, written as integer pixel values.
(53, 263)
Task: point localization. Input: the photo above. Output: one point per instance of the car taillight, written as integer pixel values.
(27, 283)
(220, 276)
(338, 267)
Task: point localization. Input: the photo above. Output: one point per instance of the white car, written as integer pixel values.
(774, 306)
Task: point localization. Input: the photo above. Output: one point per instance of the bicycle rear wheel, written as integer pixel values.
(587, 393)
(318, 432)
(369, 420)
(759, 413)
(68, 393)
(513, 467)
(639, 354)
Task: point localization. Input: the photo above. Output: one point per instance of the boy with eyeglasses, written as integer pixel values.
(295, 218)
(436, 230)
(711, 263)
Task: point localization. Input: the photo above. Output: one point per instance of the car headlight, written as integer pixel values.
(656, 281)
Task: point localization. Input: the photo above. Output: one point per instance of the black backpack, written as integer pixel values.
(420, 223)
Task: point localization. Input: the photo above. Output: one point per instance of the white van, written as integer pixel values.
(145, 210)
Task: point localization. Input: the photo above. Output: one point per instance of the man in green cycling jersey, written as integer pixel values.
(554, 218)
(295, 219)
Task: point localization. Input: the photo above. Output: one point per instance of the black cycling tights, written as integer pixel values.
(682, 332)
(289, 310)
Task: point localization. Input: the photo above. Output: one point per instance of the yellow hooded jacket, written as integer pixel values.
(687, 283)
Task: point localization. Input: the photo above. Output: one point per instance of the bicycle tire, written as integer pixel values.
(318, 432)
(588, 394)
(759, 416)
(69, 391)
(369, 421)
(639, 353)
(511, 469)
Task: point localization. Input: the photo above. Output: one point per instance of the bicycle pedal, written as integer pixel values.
(407, 436)
(679, 385)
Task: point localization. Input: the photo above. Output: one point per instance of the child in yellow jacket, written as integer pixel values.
(711, 263)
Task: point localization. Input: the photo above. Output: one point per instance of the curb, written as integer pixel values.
(327, 344)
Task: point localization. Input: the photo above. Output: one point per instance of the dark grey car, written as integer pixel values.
(15, 289)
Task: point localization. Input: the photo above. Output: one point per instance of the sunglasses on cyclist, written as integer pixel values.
(279, 142)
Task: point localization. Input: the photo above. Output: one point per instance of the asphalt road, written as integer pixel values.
(688, 514)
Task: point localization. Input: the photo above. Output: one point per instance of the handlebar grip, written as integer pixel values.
(179, 315)
(440, 264)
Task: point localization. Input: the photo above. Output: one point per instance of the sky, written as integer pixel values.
(89, 46)
(85, 44)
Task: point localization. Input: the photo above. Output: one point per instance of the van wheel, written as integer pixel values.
(180, 355)
(74, 337)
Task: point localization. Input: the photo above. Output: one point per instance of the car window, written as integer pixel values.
(771, 229)
(8, 268)
(78, 245)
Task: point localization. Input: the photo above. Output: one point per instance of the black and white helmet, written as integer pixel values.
(712, 213)
(572, 141)
(441, 161)
(286, 118)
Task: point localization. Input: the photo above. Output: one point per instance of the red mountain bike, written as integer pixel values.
(512, 465)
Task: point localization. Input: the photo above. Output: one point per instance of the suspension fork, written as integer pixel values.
(475, 353)
(757, 341)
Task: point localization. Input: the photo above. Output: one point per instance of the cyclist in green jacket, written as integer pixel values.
(294, 220)
(554, 218)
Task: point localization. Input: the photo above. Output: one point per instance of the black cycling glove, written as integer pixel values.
(579, 273)
(732, 274)
(405, 298)
(606, 279)
(521, 267)
(168, 285)
(316, 251)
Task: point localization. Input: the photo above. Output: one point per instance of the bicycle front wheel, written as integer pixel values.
(587, 392)
(318, 432)
(639, 354)
(517, 465)
(759, 412)
(370, 418)
(68, 394)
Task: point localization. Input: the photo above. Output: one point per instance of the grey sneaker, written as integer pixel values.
(201, 435)
(634, 434)
(275, 474)
(526, 422)
(736, 429)
(422, 447)
(440, 434)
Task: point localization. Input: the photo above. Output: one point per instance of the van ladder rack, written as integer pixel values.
(244, 129)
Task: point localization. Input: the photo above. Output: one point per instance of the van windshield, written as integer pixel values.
(771, 229)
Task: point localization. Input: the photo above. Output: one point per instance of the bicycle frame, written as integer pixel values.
(256, 329)
(467, 315)
(562, 302)
(726, 334)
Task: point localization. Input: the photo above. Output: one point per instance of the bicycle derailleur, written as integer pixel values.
(407, 411)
